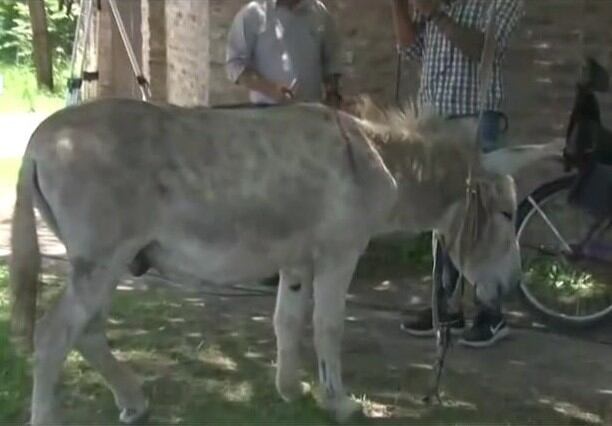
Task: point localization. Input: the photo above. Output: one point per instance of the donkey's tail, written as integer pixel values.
(24, 266)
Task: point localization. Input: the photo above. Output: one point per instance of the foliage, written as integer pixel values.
(567, 287)
(14, 383)
(16, 31)
(21, 93)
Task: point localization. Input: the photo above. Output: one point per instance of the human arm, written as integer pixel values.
(470, 41)
(409, 32)
(240, 49)
(252, 80)
(405, 28)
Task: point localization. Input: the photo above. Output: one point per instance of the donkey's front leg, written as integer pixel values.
(331, 281)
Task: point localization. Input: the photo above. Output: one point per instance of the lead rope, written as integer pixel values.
(443, 334)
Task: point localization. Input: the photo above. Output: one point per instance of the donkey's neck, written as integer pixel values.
(431, 178)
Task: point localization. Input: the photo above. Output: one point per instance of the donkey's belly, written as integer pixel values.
(220, 264)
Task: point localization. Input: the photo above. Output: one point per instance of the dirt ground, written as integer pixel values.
(537, 376)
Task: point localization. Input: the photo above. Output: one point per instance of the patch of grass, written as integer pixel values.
(21, 94)
(566, 287)
(197, 374)
(209, 360)
(14, 380)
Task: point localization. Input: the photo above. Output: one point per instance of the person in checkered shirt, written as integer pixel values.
(447, 38)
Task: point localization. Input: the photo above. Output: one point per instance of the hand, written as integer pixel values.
(281, 93)
(426, 7)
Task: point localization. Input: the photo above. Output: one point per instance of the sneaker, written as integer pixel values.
(422, 326)
(485, 331)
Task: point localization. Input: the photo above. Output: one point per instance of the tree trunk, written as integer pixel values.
(43, 61)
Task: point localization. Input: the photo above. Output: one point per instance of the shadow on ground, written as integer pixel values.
(207, 358)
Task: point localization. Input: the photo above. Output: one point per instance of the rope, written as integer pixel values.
(443, 335)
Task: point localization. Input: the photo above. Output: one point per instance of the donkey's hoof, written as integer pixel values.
(342, 408)
(130, 416)
(294, 392)
(346, 408)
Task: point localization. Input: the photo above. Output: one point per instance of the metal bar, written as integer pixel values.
(76, 38)
(87, 35)
(398, 78)
(142, 83)
(82, 31)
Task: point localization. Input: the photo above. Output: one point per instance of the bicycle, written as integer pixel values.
(564, 227)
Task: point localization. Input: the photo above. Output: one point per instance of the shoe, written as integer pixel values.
(485, 331)
(422, 326)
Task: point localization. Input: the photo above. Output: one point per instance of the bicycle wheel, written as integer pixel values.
(565, 289)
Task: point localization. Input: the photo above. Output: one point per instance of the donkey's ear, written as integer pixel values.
(505, 193)
(595, 76)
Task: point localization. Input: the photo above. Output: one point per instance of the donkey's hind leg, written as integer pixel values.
(88, 292)
(124, 384)
(293, 300)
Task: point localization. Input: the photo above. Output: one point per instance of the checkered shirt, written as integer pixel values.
(449, 79)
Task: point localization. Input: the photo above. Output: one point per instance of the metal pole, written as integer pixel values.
(142, 82)
(84, 20)
(87, 30)
(76, 37)
(398, 78)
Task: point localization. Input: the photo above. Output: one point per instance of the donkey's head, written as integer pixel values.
(480, 236)
(431, 158)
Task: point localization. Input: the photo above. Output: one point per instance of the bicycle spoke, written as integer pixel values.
(552, 227)
(564, 276)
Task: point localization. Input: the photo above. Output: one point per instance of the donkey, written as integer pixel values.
(229, 195)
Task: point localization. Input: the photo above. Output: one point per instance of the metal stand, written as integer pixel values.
(81, 45)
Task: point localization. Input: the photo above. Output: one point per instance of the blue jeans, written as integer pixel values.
(445, 275)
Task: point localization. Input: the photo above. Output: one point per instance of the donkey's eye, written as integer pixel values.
(508, 216)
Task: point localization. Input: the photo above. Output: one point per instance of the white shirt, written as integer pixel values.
(285, 45)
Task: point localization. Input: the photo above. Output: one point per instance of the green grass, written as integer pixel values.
(14, 381)
(205, 360)
(566, 287)
(21, 93)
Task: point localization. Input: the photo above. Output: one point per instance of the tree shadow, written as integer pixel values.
(210, 360)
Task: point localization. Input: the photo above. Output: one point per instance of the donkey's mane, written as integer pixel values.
(420, 141)
(438, 153)
(452, 143)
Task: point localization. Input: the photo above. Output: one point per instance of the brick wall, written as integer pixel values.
(542, 61)
(541, 67)
(187, 50)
